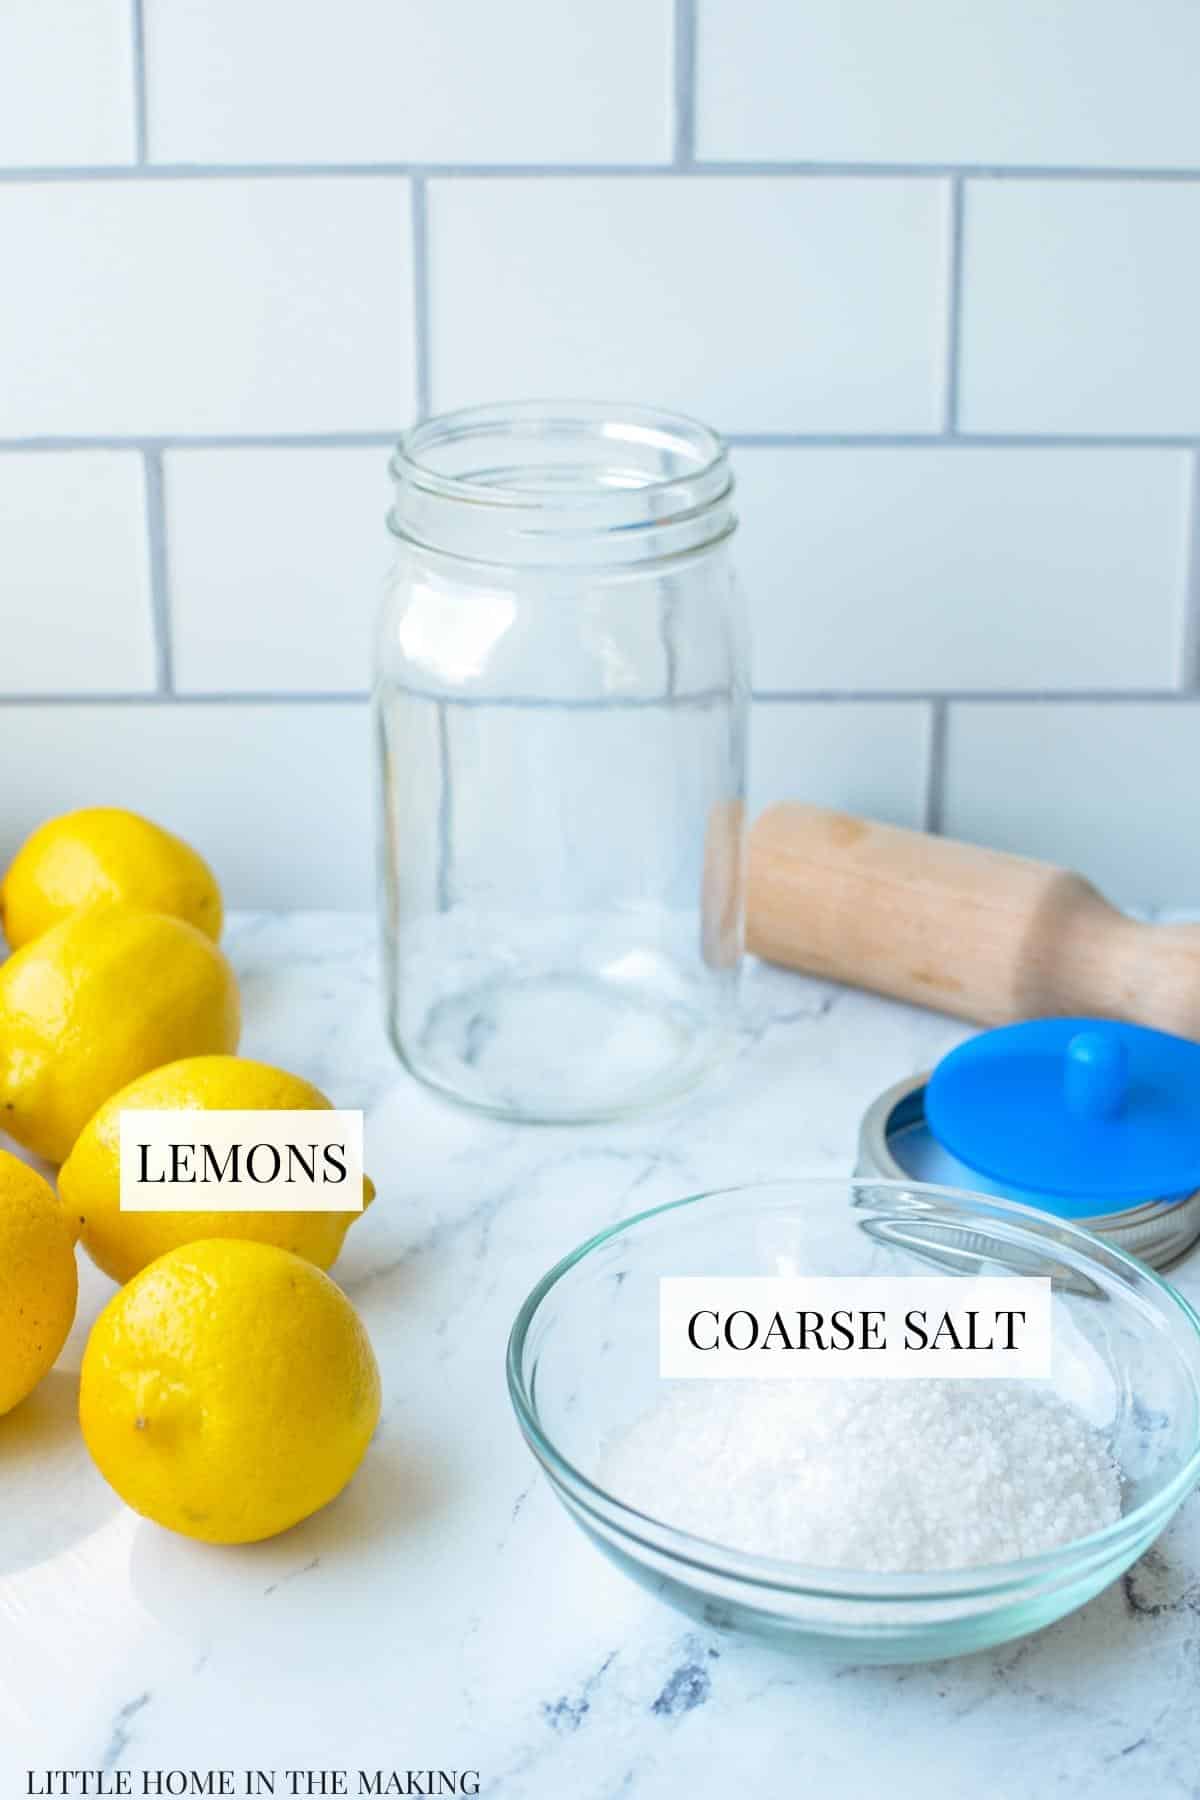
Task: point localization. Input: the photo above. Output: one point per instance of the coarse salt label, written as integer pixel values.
(176, 1160)
(830, 1326)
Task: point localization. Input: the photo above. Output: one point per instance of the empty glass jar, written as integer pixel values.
(560, 705)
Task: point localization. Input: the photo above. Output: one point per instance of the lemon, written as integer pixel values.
(38, 1280)
(90, 1179)
(94, 1002)
(103, 853)
(229, 1391)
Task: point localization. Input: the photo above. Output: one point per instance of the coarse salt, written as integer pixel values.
(887, 1475)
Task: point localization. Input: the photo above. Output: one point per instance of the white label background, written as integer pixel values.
(162, 1127)
(680, 1297)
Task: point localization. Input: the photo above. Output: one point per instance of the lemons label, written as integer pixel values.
(180, 1160)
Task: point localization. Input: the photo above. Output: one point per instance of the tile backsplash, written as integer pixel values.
(933, 269)
(756, 302)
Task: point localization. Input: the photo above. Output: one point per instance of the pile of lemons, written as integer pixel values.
(229, 1389)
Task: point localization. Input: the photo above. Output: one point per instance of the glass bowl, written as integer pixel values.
(583, 1367)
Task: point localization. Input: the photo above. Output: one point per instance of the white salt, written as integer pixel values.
(893, 1475)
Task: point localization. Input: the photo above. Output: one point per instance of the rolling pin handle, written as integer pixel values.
(974, 932)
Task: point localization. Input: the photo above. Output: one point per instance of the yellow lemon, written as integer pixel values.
(38, 1280)
(229, 1391)
(90, 1179)
(94, 1002)
(99, 854)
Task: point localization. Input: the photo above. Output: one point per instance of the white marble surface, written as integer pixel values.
(445, 1611)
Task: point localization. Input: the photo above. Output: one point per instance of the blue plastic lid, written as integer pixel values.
(1075, 1110)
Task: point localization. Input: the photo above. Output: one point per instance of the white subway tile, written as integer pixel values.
(762, 304)
(74, 577)
(1108, 790)
(278, 798)
(409, 80)
(66, 82)
(859, 757)
(1076, 82)
(205, 306)
(276, 560)
(964, 568)
(1080, 307)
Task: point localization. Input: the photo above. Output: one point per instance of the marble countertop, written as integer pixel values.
(445, 1612)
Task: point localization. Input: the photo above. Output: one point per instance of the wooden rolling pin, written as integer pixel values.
(974, 932)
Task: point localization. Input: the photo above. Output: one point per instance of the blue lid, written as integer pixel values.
(1075, 1110)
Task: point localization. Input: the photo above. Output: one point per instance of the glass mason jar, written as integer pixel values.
(560, 707)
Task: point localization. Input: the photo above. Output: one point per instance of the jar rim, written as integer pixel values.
(542, 423)
(554, 483)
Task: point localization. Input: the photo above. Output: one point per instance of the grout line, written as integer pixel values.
(295, 440)
(1189, 650)
(954, 305)
(941, 440)
(667, 621)
(979, 696)
(768, 697)
(356, 697)
(420, 272)
(137, 20)
(308, 171)
(935, 776)
(738, 440)
(555, 171)
(160, 601)
(685, 83)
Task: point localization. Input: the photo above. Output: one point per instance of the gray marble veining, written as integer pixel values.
(445, 1612)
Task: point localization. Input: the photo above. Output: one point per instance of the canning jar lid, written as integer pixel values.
(1080, 1110)
(1090, 1121)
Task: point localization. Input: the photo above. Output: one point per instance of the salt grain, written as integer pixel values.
(888, 1475)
